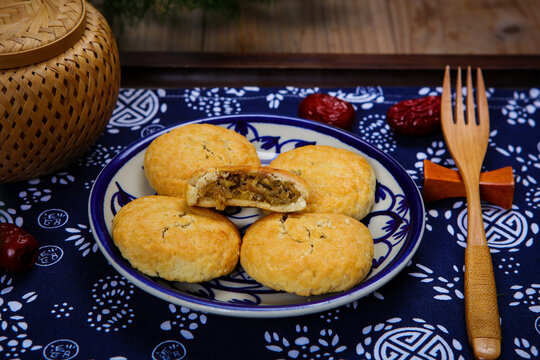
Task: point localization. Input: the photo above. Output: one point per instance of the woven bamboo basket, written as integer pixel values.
(59, 82)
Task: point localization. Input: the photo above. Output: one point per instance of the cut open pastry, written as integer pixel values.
(261, 187)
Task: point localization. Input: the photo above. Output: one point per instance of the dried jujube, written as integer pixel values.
(327, 109)
(18, 248)
(415, 117)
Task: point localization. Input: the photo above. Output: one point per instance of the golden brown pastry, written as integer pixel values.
(260, 187)
(339, 180)
(171, 158)
(307, 253)
(162, 236)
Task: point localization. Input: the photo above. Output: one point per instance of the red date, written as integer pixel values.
(18, 248)
(415, 117)
(327, 109)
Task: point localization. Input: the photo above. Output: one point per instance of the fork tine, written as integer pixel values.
(470, 100)
(458, 113)
(446, 99)
(481, 100)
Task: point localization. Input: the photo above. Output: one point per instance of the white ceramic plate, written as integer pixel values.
(396, 220)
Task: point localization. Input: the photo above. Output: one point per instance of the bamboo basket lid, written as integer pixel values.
(32, 31)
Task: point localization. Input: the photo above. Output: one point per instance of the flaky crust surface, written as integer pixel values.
(171, 158)
(339, 180)
(162, 236)
(201, 178)
(307, 254)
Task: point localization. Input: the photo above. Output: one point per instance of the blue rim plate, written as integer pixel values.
(396, 220)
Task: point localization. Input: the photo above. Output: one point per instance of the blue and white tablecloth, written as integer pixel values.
(74, 305)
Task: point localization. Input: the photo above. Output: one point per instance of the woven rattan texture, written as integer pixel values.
(51, 112)
(30, 24)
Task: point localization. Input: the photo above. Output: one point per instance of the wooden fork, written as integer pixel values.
(467, 141)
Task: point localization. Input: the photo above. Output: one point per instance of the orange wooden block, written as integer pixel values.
(496, 186)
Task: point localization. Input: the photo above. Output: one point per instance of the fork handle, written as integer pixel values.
(481, 311)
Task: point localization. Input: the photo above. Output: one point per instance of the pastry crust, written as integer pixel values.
(162, 236)
(260, 187)
(307, 253)
(339, 180)
(172, 157)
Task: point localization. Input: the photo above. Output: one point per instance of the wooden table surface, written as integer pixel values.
(342, 42)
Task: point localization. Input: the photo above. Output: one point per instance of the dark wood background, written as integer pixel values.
(336, 42)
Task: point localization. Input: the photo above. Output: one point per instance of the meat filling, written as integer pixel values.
(250, 187)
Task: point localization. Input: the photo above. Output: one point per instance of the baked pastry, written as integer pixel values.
(171, 158)
(307, 253)
(260, 187)
(162, 236)
(339, 180)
